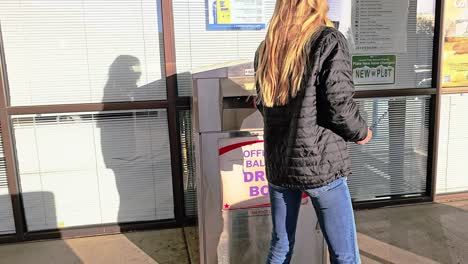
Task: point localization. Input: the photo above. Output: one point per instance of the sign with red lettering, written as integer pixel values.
(243, 179)
(242, 169)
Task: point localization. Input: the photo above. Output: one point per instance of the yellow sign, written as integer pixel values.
(455, 53)
(223, 11)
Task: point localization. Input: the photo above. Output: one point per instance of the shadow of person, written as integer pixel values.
(134, 144)
(124, 142)
(122, 83)
(124, 74)
(135, 148)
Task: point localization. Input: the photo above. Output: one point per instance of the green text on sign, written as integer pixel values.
(374, 69)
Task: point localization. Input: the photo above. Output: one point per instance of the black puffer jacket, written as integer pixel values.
(305, 140)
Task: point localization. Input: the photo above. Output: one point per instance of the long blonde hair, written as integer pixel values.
(282, 56)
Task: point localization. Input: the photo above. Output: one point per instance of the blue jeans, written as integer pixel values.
(334, 211)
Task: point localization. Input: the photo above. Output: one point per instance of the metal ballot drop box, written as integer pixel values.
(233, 203)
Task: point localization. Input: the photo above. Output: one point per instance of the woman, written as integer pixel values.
(305, 94)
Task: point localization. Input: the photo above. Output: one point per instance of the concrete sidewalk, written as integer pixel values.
(426, 233)
(149, 247)
(155, 247)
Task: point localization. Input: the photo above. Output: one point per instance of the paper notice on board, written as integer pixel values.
(379, 26)
(340, 14)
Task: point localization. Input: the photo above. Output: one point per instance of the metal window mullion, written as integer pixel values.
(436, 111)
(91, 107)
(171, 88)
(10, 162)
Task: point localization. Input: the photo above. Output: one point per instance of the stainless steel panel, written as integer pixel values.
(208, 105)
(245, 118)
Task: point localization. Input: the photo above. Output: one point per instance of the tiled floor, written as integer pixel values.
(426, 233)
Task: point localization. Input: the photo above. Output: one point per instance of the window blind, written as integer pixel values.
(452, 168)
(196, 46)
(188, 163)
(7, 223)
(395, 162)
(82, 51)
(94, 168)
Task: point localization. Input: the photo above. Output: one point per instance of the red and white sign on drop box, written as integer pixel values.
(243, 178)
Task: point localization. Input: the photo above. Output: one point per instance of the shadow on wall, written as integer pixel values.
(138, 157)
(122, 82)
(124, 74)
(124, 142)
(42, 212)
(133, 146)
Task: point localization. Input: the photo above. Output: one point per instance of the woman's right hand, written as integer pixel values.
(367, 139)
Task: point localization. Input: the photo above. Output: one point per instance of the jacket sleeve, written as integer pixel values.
(258, 102)
(336, 109)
